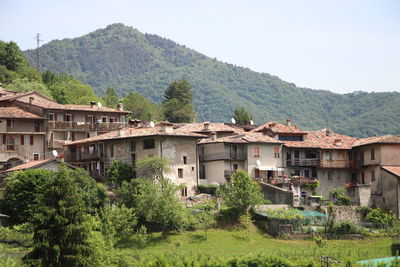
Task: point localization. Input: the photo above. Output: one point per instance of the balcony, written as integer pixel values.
(85, 126)
(297, 180)
(313, 162)
(340, 164)
(223, 156)
(82, 156)
(228, 173)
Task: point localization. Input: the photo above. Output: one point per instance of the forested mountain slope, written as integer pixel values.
(122, 57)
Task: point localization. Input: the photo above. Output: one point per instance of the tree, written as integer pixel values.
(242, 192)
(119, 172)
(242, 116)
(337, 195)
(152, 168)
(110, 97)
(22, 193)
(177, 104)
(11, 56)
(26, 85)
(205, 220)
(141, 108)
(61, 236)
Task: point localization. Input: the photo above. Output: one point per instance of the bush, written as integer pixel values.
(142, 238)
(346, 227)
(364, 211)
(380, 216)
(207, 189)
(338, 196)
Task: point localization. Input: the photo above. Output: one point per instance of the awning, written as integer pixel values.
(269, 168)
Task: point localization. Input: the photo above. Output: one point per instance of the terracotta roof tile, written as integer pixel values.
(17, 113)
(246, 137)
(29, 165)
(278, 128)
(392, 169)
(384, 139)
(136, 132)
(212, 127)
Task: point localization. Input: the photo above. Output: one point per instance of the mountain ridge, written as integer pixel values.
(123, 57)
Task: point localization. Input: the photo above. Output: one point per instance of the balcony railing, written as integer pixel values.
(222, 156)
(79, 156)
(297, 180)
(304, 162)
(85, 126)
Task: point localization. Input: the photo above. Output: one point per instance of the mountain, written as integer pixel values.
(128, 60)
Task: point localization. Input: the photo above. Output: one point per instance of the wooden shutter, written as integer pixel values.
(256, 151)
(65, 117)
(31, 140)
(55, 116)
(22, 139)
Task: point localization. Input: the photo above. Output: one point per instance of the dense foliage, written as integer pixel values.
(141, 108)
(119, 172)
(242, 193)
(242, 116)
(338, 196)
(128, 60)
(177, 103)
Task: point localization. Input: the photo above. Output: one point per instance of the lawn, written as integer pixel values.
(230, 243)
(225, 243)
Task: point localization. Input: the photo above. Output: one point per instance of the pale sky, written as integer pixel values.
(341, 45)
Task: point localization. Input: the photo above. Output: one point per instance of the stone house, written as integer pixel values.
(95, 154)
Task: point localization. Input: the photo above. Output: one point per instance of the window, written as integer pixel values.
(306, 173)
(373, 178)
(10, 143)
(101, 149)
(36, 156)
(133, 157)
(202, 172)
(330, 177)
(89, 119)
(51, 116)
(31, 140)
(112, 119)
(202, 150)
(148, 144)
(67, 117)
(104, 119)
(296, 154)
(22, 139)
(184, 160)
(235, 167)
(328, 155)
(362, 178)
(372, 154)
(256, 151)
(276, 152)
(112, 150)
(180, 173)
(37, 126)
(9, 123)
(184, 192)
(133, 146)
(311, 154)
(257, 173)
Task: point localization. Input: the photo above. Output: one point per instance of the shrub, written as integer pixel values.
(142, 238)
(346, 227)
(364, 211)
(380, 216)
(338, 196)
(207, 189)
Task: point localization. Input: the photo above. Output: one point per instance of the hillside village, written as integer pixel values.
(293, 166)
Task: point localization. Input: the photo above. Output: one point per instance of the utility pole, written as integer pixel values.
(37, 51)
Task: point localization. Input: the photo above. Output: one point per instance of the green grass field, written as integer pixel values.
(226, 244)
(231, 243)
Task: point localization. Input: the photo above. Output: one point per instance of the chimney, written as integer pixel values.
(206, 126)
(166, 127)
(288, 120)
(92, 104)
(31, 99)
(328, 132)
(213, 136)
(120, 106)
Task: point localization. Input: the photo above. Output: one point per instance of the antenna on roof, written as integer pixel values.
(258, 162)
(152, 124)
(99, 104)
(251, 122)
(55, 153)
(233, 120)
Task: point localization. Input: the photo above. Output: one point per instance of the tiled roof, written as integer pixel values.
(279, 128)
(323, 139)
(213, 127)
(247, 137)
(392, 169)
(29, 165)
(45, 102)
(384, 139)
(17, 113)
(136, 132)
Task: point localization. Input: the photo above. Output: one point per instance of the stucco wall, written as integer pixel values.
(390, 192)
(266, 157)
(339, 178)
(390, 154)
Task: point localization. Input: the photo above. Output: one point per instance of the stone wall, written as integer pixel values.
(344, 213)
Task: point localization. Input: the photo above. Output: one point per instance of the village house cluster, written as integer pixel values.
(291, 164)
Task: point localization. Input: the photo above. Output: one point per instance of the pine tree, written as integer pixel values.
(177, 104)
(242, 116)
